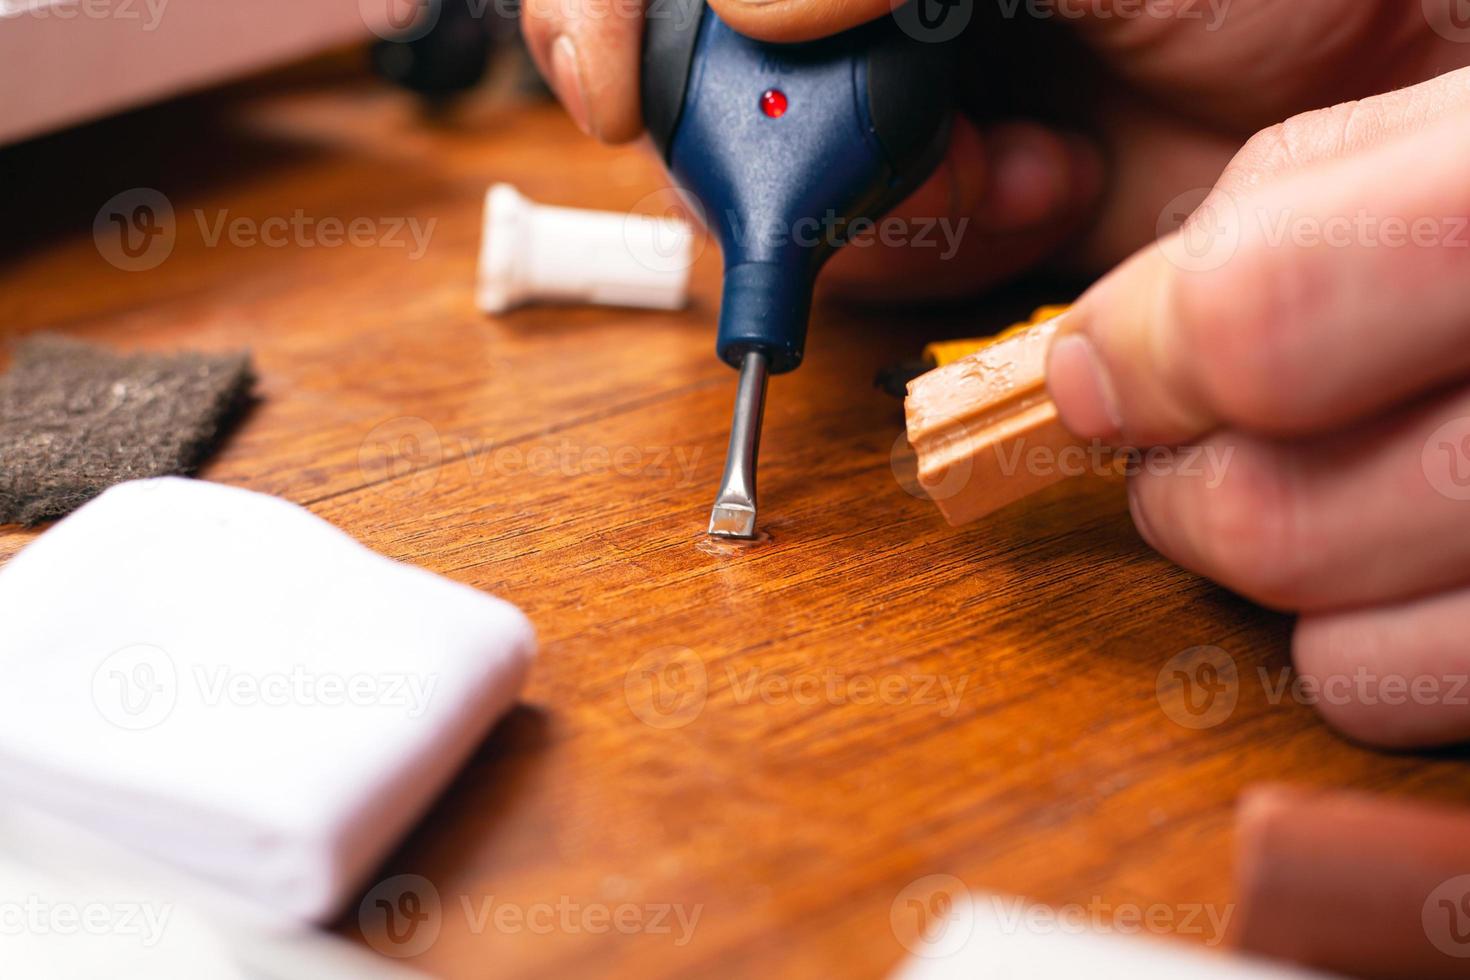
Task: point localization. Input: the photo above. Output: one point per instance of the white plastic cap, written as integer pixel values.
(533, 253)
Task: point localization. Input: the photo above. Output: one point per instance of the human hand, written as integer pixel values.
(1310, 326)
(1008, 193)
(1167, 91)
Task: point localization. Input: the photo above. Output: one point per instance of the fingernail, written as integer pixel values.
(1082, 390)
(1140, 519)
(566, 78)
(1028, 179)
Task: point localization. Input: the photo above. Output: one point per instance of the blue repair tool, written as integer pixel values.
(785, 147)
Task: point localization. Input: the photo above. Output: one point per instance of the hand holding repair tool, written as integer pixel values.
(784, 147)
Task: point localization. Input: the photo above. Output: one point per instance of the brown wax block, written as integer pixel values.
(1349, 883)
(985, 431)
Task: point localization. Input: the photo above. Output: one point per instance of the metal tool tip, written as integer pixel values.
(734, 512)
(732, 521)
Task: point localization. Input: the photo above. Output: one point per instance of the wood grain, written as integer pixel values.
(565, 459)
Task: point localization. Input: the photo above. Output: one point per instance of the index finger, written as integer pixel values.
(1298, 307)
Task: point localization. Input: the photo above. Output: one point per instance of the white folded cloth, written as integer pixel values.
(224, 681)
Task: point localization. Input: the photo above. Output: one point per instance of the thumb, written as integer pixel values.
(798, 20)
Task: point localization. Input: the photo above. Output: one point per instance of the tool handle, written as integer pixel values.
(785, 147)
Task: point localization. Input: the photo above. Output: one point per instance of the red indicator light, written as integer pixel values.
(773, 103)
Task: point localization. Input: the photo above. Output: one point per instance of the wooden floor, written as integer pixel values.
(778, 740)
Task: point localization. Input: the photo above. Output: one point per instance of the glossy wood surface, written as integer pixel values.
(779, 740)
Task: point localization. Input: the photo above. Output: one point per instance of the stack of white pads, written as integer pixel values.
(223, 681)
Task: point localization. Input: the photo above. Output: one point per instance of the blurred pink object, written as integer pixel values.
(68, 61)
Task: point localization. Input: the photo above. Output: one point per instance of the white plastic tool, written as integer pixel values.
(533, 253)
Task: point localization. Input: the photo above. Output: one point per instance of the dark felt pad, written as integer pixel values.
(76, 419)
